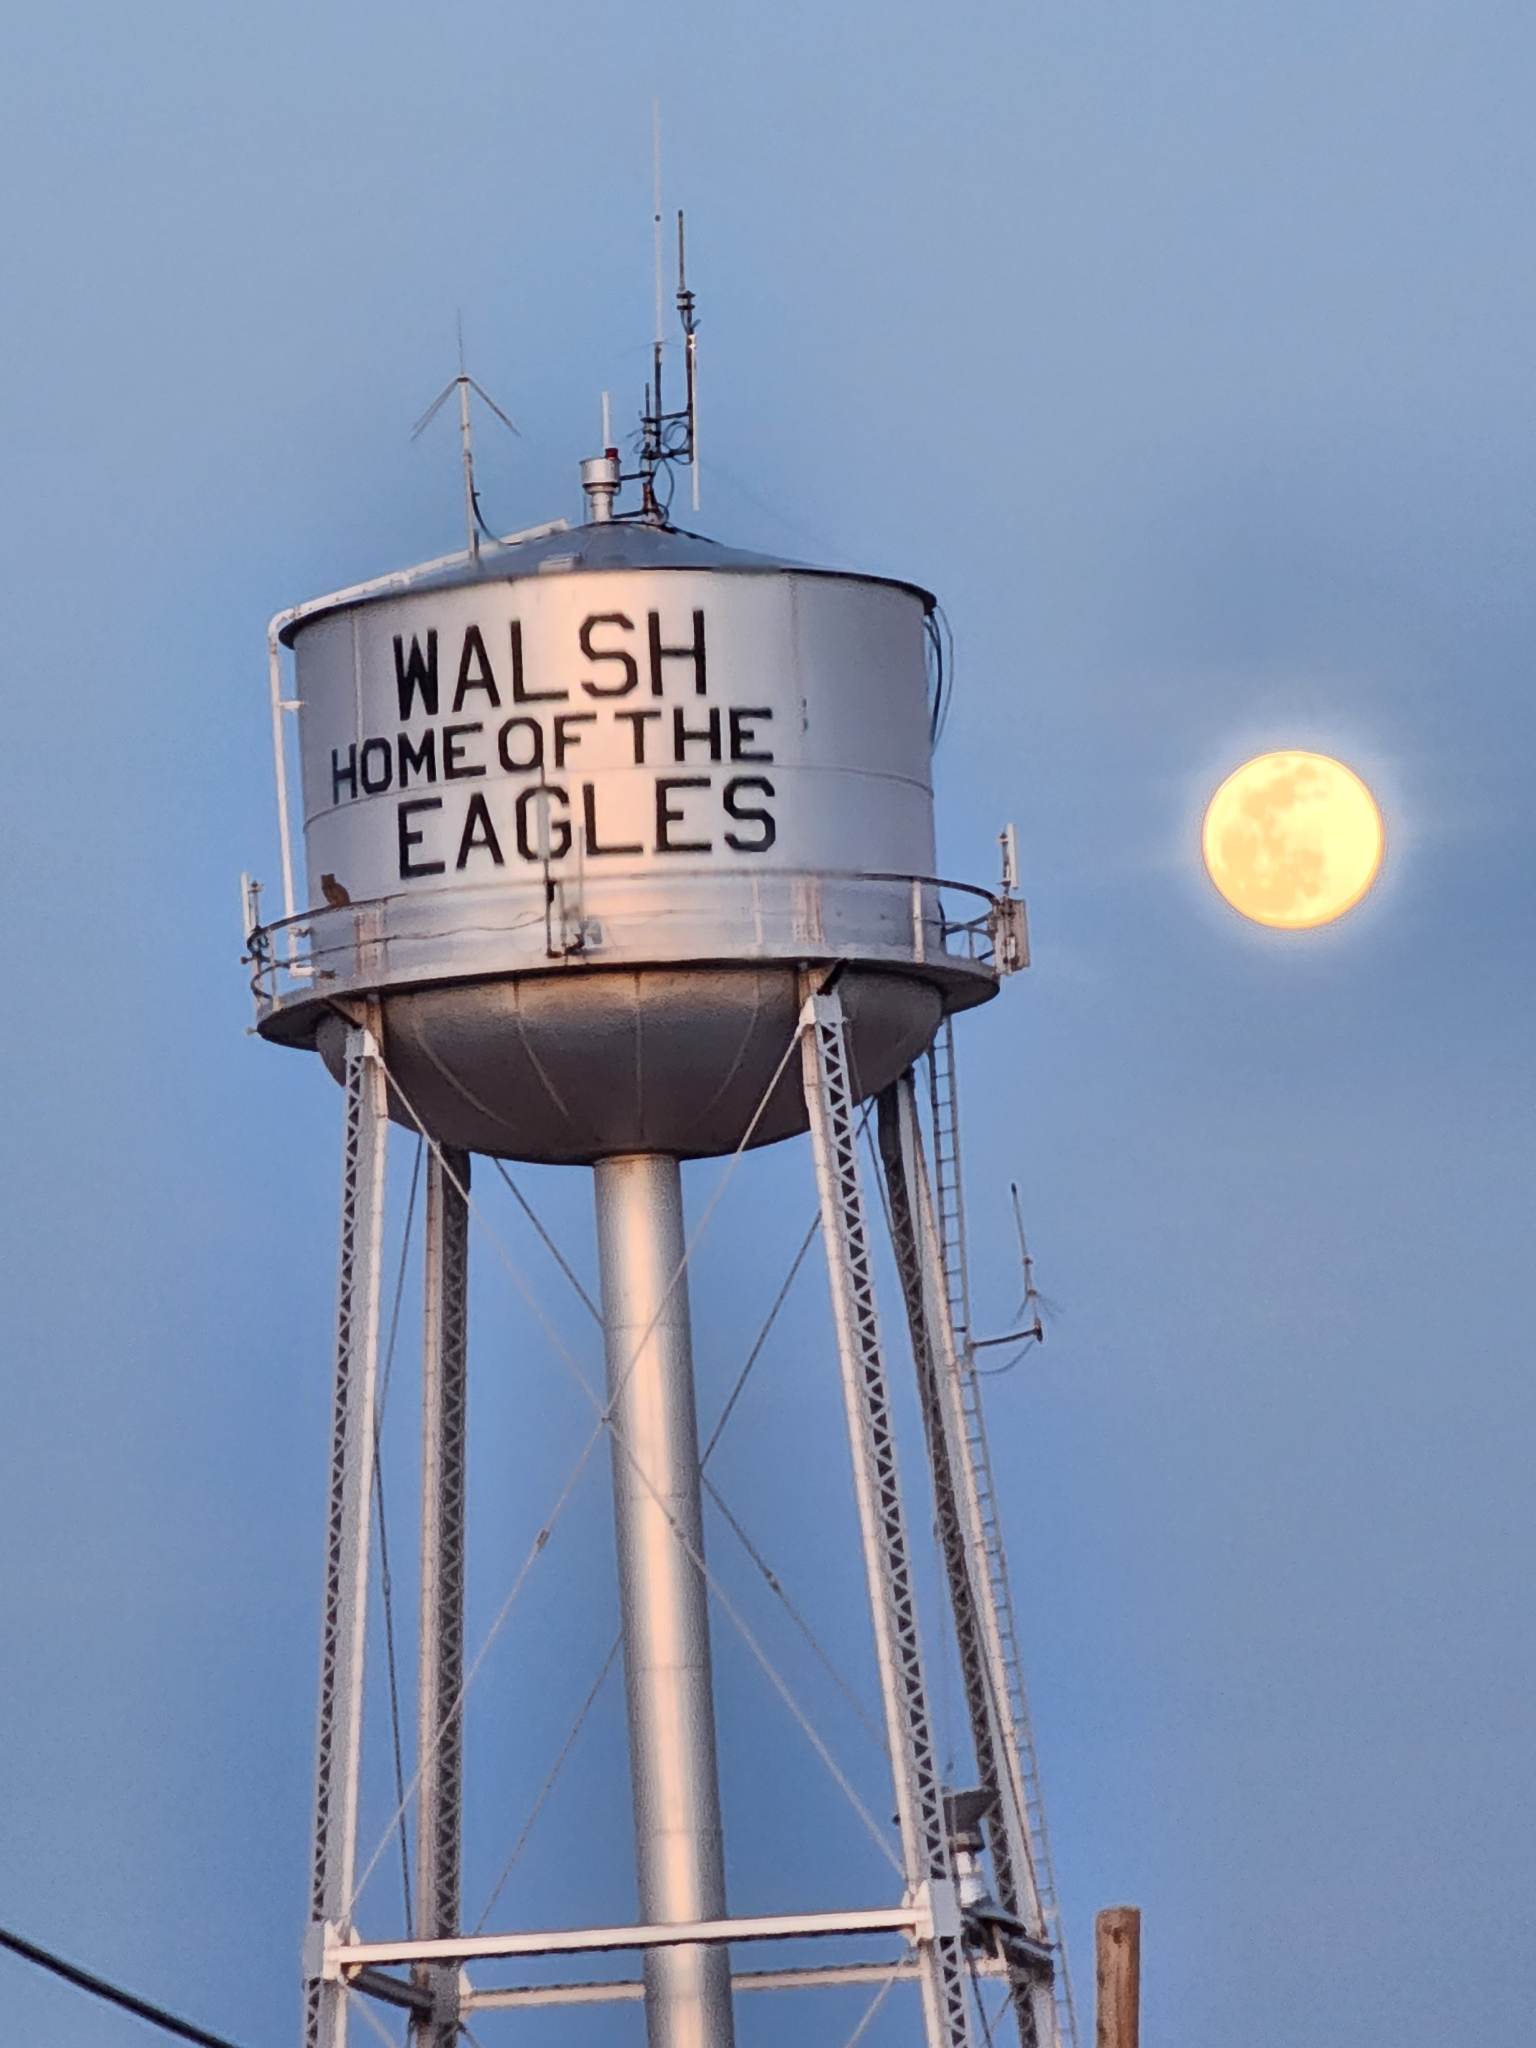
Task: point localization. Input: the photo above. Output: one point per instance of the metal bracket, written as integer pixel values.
(317, 1962)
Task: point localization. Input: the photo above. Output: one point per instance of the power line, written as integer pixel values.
(113, 1994)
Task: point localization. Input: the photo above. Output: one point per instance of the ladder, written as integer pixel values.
(949, 1206)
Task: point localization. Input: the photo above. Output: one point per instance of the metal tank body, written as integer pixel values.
(582, 811)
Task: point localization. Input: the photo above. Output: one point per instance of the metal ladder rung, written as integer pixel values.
(950, 1219)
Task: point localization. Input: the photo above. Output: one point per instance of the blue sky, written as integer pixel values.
(1185, 351)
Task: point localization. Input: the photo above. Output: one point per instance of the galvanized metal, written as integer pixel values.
(993, 1573)
(698, 718)
(919, 1263)
(344, 1620)
(440, 1648)
(617, 780)
(626, 1990)
(914, 1920)
(919, 1791)
(557, 549)
(663, 1597)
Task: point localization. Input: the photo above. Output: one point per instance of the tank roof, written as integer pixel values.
(576, 550)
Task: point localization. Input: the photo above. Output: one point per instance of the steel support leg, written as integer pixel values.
(344, 1625)
(961, 1536)
(919, 1792)
(664, 1601)
(440, 1679)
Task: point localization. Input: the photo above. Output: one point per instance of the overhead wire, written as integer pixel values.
(110, 1993)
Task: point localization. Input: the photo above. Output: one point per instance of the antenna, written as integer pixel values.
(665, 437)
(1008, 841)
(656, 223)
(685, 313)
(464, 384)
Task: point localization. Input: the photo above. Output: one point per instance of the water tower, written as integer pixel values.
(618, 851)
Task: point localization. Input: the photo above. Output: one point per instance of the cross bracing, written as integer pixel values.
(943, 1957)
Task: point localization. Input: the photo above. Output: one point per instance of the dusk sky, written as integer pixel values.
(1185, 350)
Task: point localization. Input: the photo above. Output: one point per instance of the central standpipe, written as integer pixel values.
(663, 1598)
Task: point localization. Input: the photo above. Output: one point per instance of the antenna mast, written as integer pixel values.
(464, 384)
(665, 438)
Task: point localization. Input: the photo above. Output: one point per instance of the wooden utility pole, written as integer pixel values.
(1117, 1946)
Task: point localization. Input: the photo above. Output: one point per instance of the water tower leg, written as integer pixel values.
(877, 1488)
(663, 1598)
(978, 1631)
(343, 1632)
(440, 1677)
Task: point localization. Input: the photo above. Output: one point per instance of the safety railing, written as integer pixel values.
(532, 926)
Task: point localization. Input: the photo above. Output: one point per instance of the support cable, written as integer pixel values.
(981, 2007)
(549, 1243)
(762, 1338)
(770, 1576)
(604, 1412)
(386, 1589)
(386, 1583)
(455, 1705)
(548, 1785)
(109, 1993)
(376, 2023)
(872, 2010)
(399, 1294)
(775, 1585)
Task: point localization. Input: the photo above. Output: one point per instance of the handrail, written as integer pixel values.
(284, 968)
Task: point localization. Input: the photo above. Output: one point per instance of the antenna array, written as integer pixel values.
(474, 519)
(667, 438)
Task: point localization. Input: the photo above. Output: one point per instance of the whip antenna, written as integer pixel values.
(464, 384)
(668, 437)
(685, 313)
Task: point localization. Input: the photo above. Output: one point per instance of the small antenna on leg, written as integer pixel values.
(464, 384)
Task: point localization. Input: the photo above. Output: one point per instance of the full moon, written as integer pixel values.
(1293, 840)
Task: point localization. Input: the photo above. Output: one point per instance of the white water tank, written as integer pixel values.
(581, 813)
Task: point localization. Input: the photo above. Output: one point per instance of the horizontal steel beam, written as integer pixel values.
(413, 1997)
(631, 1990)
(914, 1921)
